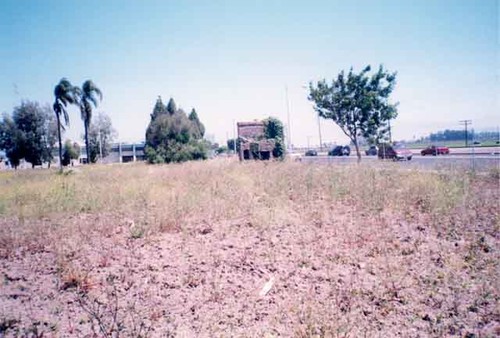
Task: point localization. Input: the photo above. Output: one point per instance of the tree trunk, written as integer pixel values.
(60, 142)
(87, 150)
(358, 153)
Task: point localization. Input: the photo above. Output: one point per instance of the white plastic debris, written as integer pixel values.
(267, 287)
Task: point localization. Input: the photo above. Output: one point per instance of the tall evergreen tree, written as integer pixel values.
(173, 137)
(171, 106)
(199, 128)
(159, 109)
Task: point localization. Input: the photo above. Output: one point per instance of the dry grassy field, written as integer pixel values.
(219, 248)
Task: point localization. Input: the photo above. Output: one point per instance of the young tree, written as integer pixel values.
(273, 129)
(65, 93)
(101, 135)
(71, 152)
(357, 103)
(51, 137)
(89, 96)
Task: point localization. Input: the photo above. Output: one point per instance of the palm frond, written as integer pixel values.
(90, 91)
(66, 117)
(66, 93)
(93, 99)
(77, 94)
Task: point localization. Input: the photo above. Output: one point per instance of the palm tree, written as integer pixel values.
(65, 93)
(89, 94)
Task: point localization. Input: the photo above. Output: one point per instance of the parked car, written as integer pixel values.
(394, 152)
(477, 143)
(372, 151)
(340, 151)
(435, 150)
(311, 152)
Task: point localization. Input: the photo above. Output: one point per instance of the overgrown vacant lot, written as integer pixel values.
(186, 250)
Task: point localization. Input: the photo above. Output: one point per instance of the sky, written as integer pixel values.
(237, 60)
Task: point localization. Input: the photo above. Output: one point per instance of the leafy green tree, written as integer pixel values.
(90, 95)
(11, 141)
(101, 135)
(32, 121)
(273, 129)
(29, 133)
(198, 127)
(173, 137)
(71, 152)
(65, 93)
(357, 103)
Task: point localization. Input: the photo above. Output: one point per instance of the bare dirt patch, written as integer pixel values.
(341, 254)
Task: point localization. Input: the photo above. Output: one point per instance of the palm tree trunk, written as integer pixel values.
(60, 142)
(87, 142)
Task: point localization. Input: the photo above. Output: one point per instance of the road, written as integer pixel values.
(480, 162)
(469, 151)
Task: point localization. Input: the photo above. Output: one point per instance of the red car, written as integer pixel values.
(434, 150)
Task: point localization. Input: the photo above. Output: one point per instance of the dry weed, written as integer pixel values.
(356, 250)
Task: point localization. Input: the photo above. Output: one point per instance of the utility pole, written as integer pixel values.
(319, 126)
(288, 120)
(319, 130)
(465, 123)
(234, 135)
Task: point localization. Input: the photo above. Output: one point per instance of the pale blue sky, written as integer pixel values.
(232, 60)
